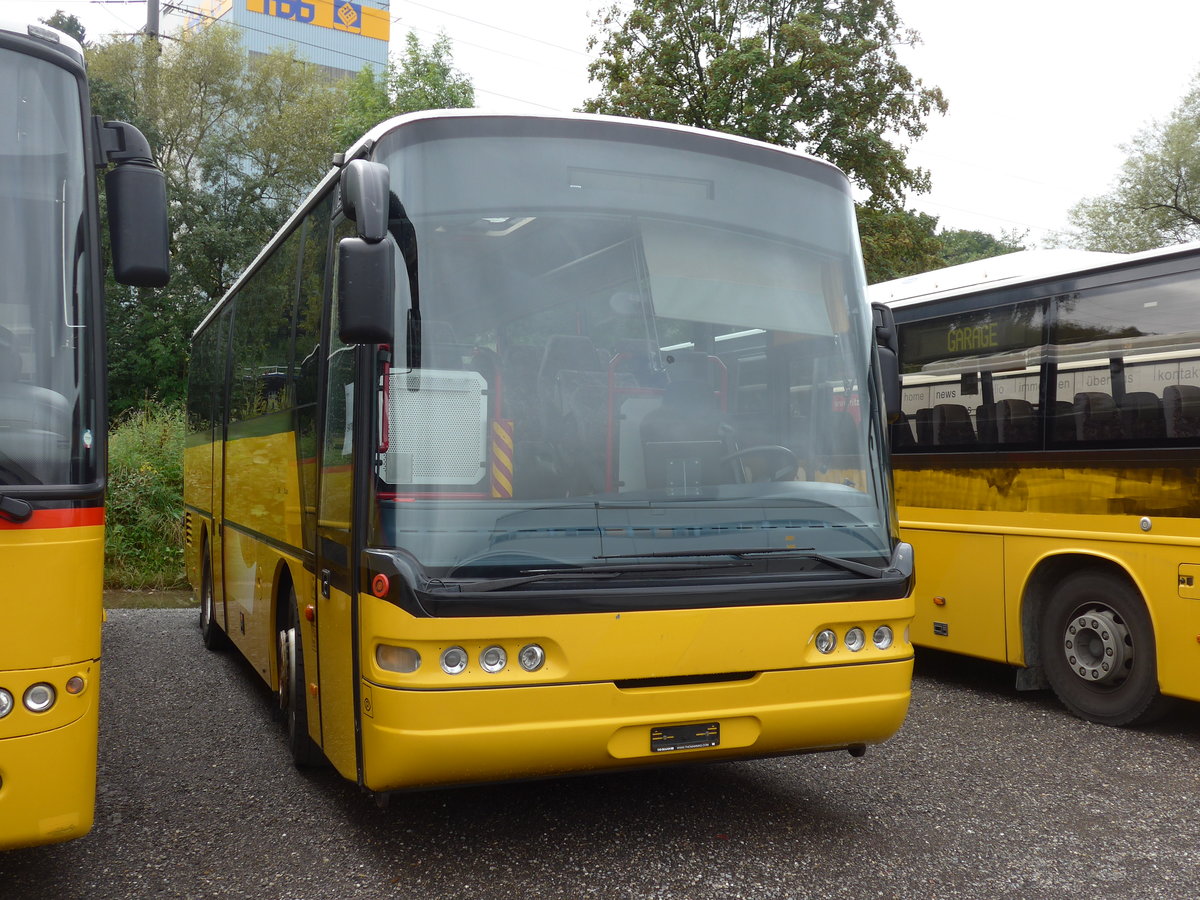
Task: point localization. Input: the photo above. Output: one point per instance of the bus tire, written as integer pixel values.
(292, 700)
(210, 632)
(1098, 651)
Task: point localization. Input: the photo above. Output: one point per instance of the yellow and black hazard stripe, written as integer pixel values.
(502, 458)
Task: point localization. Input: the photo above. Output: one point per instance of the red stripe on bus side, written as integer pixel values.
(57, 518)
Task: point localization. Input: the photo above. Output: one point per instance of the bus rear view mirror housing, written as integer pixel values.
(366, 271)
(887, 345)
(137, 207)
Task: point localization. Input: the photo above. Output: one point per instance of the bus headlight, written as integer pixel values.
(39, 697)
(882, 638)
(493, 659)
(454, 660)
(6, 703)
(397, 659)
(532, 657)
(826, 641)
(856, 639)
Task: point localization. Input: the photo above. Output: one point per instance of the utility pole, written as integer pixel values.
(152, 19)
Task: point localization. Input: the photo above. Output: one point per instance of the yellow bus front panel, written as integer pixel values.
(48, 760)
(610, 681)
(50, 613)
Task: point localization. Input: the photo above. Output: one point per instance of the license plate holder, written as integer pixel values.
(672, 738)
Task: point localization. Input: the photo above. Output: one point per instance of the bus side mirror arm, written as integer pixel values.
(137, 206)
(887, 346)
(366, 267)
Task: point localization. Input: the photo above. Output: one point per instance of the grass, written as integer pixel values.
(144, 534)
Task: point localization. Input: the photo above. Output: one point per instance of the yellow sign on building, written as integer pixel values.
(339, 15)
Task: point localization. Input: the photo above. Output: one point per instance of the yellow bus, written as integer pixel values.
(545, 444)
(1046, 470)
(52, 417)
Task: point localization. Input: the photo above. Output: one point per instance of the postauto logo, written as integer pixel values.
(339, 15)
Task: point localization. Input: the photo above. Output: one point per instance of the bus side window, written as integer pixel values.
(1182, 410)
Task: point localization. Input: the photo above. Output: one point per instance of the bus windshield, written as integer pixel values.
(618, 348)
(47, 410)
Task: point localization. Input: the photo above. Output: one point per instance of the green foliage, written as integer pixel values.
(962, 246)
(143, 537)
(68, 24)
(421, 79)
(810, 73)
(897, 242)
(1156, 199)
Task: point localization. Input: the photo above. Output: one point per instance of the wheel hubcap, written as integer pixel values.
(287, 662)
(1098, 647)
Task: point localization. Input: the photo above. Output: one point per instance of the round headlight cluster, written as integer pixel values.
(492, 659)
(6, 703)
(826, 640)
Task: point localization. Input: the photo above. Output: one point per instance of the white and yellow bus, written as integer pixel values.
(1047, 470)
(52, 417)
(545, 444)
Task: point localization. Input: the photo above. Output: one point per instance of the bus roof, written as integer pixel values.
(50, 36)
(1021, 267)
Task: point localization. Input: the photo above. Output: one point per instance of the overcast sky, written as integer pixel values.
(1042, 92)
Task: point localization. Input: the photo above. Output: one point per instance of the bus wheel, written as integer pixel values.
(210, 632)
(292, 701)
(1097, 648)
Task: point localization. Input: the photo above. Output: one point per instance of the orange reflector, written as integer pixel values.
(310, 613)
(312, 689)
(380, 586)
(939, 601)
(75, 685)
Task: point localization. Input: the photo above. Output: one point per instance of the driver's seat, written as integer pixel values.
(686, 439)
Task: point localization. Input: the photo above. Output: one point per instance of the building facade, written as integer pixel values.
(338, 35)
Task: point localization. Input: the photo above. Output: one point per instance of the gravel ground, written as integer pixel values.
(984, 794)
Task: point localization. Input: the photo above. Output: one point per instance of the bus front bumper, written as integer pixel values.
(430, 738)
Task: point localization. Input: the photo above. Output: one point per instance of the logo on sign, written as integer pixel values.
(349, 15)
(296, 10)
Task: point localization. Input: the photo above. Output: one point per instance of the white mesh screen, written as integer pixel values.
(438, 433)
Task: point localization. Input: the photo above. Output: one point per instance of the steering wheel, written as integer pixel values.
(786, 473)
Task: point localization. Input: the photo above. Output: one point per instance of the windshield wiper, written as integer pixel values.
(848, 565)
(531, 575)
(14, 508)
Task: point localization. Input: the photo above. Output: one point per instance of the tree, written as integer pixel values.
(897, 242)
(241, 140)
(420, 79)
(69, 24)
(961, 246)
(1156, 198)
(818, 74)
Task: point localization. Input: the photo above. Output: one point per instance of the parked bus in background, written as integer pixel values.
(52, 417)
(534, 445)
(1047, 470)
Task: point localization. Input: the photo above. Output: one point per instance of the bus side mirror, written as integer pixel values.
(137, 208)
(366, 286)
(366, 267)
(366, 198)
(887, 346)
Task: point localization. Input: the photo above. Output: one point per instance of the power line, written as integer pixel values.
(494, 27)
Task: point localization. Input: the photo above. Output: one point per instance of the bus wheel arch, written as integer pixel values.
(293, 692)
(210, 630)
(1087, 630)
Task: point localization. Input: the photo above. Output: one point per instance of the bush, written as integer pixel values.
(144, 535)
